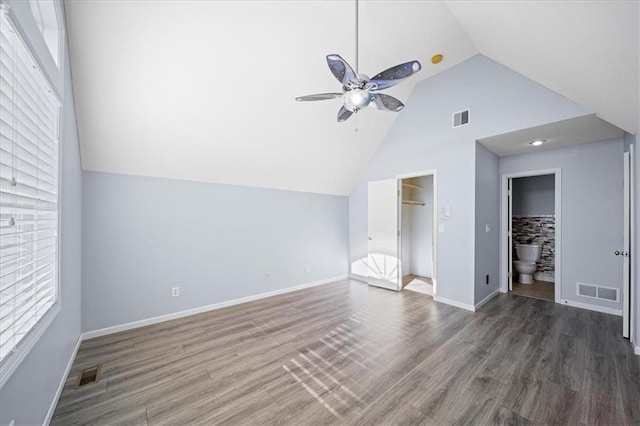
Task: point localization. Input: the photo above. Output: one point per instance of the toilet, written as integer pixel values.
(528, 255)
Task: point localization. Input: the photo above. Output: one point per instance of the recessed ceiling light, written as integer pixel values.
(436, 59)
(537, 142)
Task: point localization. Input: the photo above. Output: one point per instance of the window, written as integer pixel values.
(44, 12)
(29, 129)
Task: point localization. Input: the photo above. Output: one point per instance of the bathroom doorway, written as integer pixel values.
(417, 236)
(531, 234)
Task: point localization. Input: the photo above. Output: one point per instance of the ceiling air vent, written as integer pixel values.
(461, 118)
(597, 292)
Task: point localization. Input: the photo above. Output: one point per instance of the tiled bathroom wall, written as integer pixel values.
(538, 229)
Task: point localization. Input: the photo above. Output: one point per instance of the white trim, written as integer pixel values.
(162, 318)
(455, 303)
(493, 294)
(637, 350)
(358, 277)
(596, 308)
(632, 235)
(434, 232)
(504, 275)
(13, 361)
(63, 380)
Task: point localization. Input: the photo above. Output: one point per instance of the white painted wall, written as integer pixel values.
(422, 138)
(142, 236)
(421, 250)
(591, 212)
(27, 395)
(487, 205)
(534, 195)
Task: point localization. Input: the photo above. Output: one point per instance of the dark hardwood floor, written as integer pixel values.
(346, 353)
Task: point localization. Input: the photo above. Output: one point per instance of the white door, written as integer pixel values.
(510, 234)
(626, 242)
(383, 262)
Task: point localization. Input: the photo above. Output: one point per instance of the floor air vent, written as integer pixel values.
(89, 375)
(461, 118)
(598, 292)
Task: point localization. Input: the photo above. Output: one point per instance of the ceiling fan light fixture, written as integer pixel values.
(358, 90)
(356, 99)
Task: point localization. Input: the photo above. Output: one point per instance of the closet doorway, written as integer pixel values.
(417, 233)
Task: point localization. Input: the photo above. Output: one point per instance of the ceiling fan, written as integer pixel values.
(358, 90)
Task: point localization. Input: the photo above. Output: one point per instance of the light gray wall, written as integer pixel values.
(421, 249)
(143, 236)
(591, 212)
(407, 234)
(422, 138)
(26, 397)
(534, 195)
(487, 197)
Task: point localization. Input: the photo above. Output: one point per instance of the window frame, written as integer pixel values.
(12, 362)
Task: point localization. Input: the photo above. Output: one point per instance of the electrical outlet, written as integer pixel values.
(307, 268)
(175, 291)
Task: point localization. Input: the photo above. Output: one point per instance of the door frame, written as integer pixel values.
(434, 232)
(628, 281)
(504, 222)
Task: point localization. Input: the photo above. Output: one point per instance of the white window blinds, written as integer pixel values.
(28, 192)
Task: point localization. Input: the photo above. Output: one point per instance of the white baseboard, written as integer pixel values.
(493, 294)
(63, 380)
(596, 308)
(454, 303)
(358, 278)
(175, 315)
(636, 350)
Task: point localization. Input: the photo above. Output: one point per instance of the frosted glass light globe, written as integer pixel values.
(356, 99)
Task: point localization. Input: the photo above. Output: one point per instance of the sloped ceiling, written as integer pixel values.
(205, 90)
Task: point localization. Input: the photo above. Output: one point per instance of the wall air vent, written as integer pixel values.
(597, 292)
(461, 118)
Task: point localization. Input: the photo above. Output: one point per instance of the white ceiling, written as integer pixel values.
(585, 129)
(205, 90)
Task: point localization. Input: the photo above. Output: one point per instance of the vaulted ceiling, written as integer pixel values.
(205, 90)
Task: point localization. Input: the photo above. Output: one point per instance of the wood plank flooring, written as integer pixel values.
(538, 289)
(346, 353)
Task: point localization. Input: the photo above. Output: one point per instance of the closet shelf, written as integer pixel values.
(409, 185)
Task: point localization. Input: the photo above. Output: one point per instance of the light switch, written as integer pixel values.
(487, 229)
(441, 228)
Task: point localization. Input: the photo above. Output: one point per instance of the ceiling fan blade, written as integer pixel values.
(341, 69)
(395, 75)
(344, 114)
(386, 102)
(319, 97)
